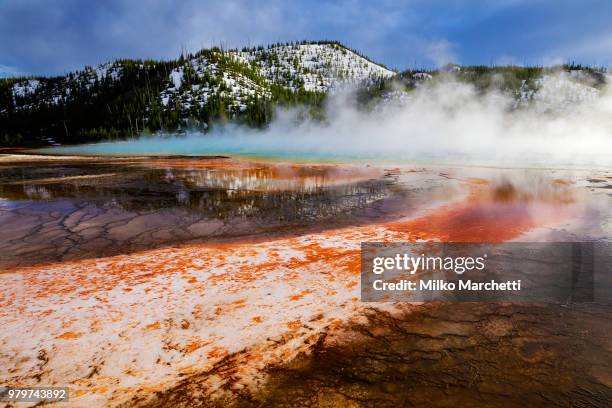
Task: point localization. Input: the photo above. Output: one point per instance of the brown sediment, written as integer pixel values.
(441, 355)
(235, 310)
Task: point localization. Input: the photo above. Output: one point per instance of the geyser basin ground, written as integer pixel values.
(254, 315)
(84, 208)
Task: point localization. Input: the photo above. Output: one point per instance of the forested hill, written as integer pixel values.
(198, 91)
(128, 97)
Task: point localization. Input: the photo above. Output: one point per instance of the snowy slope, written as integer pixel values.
(558, 91)
(316, 67)
(124, 97)
(239, 77)
(191, 85)
(33, 93)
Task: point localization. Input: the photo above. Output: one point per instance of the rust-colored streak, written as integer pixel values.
(471, 222)
(153, 326)
(294, 325)
(491, 213)
(69, 335)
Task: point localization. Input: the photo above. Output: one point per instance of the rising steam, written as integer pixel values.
(443, 121)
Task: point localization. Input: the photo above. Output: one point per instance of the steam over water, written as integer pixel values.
(449, 122)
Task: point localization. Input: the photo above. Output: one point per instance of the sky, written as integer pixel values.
(48, 37)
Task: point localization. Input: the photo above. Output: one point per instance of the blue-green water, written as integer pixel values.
(244, 145)
(260, 147)
(318, 149)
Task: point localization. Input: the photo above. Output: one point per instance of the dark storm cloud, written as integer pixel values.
(43, 37)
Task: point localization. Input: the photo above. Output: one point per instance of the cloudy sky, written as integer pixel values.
(53, 37)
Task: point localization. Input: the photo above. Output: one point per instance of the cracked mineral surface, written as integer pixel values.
(215, 282)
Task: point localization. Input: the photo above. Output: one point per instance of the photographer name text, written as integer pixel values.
(442, 285)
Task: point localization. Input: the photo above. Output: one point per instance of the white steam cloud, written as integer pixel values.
(445, 121)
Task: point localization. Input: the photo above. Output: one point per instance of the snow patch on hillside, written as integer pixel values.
(315, 67)
(192, 85)
(31, 93)
(108, 70)
(24, 88)
(312, 67)
(558, 93)
(176, 77)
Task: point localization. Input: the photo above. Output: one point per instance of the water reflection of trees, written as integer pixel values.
(288, 205)
(261, 193)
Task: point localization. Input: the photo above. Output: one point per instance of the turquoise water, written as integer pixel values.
(315, 149)
(252, 146)
(187, 145)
